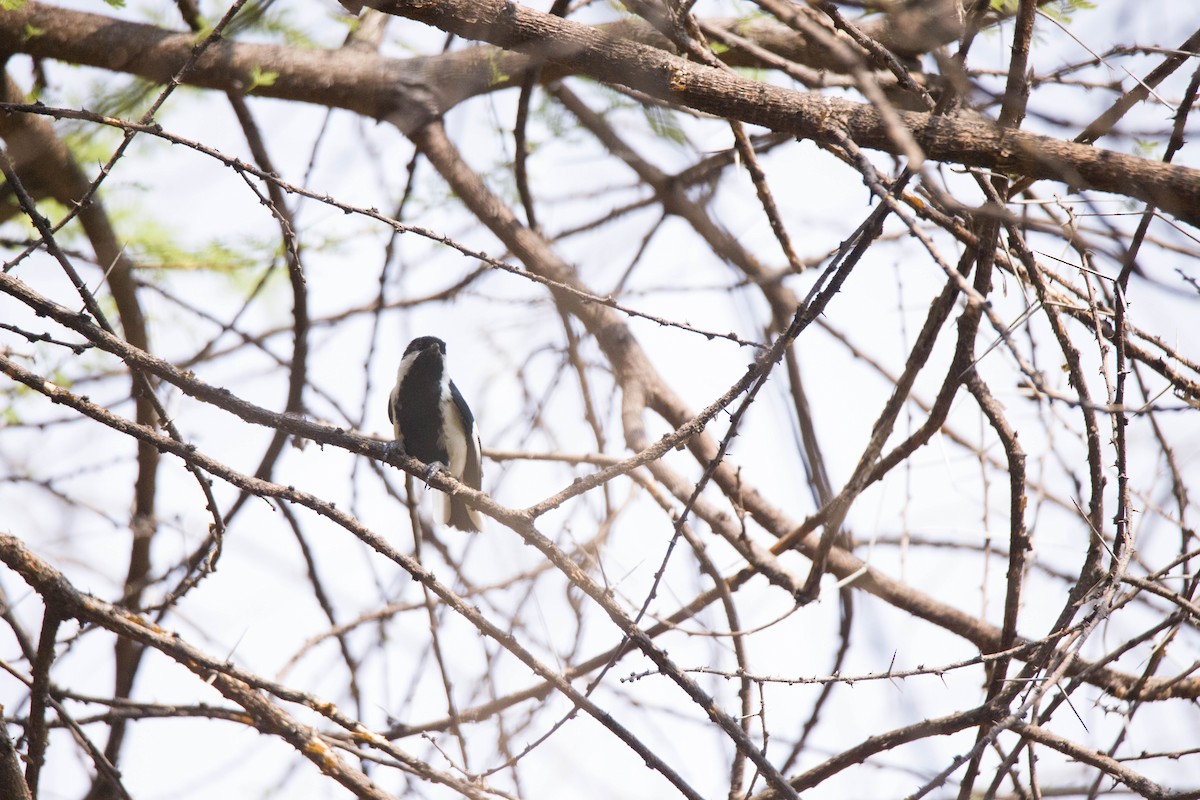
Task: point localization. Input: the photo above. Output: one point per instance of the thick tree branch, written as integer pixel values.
(12, 781)
(410, 92)
(961, 138)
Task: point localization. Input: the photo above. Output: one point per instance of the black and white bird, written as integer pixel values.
(434, 424)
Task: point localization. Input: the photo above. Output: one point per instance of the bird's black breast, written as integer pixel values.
(417, 412)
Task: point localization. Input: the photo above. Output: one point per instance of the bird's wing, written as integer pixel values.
(473, 467)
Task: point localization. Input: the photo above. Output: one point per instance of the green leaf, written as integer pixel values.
(498, 75)
(1063, 9)
(10, 415)
(1147, 148)
(122, 96)
(261, 77)
(260, 18)
(665, 124)
(11, 5)
(155, 246)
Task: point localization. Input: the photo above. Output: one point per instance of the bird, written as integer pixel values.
(433, 423)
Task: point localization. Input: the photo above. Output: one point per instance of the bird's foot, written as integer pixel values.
(392, 449)
(434, 469)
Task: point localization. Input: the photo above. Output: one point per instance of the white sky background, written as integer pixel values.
(258, 608)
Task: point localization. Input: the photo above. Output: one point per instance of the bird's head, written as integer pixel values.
(425, 343)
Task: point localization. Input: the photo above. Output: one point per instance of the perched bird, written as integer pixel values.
(434, 424)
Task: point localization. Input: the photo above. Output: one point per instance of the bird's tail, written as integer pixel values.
(458, 515)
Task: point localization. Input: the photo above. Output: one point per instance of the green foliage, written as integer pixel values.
(665, 124)
(122, 98)
(155, 245)
(1063, 9)
(260, 77)
(743, 25)
(12, 214)
(91, 144)
(752, 73)
(256, 19)
(498, 75)
(1147, 148)
(260, 19)
(11, 5)
(558, 121)
(1060, 10)
(9, 415)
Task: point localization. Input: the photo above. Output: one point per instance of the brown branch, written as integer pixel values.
(54, 168)
(942, 726)
(1140, 90)
(841, 562)
(60, 595)
(39, 692)
(1118, 771)
(403, 91)
(518, 521)
(960, 139)
(1019, 545)
(12, 782)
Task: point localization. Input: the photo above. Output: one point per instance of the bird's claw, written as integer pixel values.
(393, 449)
(434, 469)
